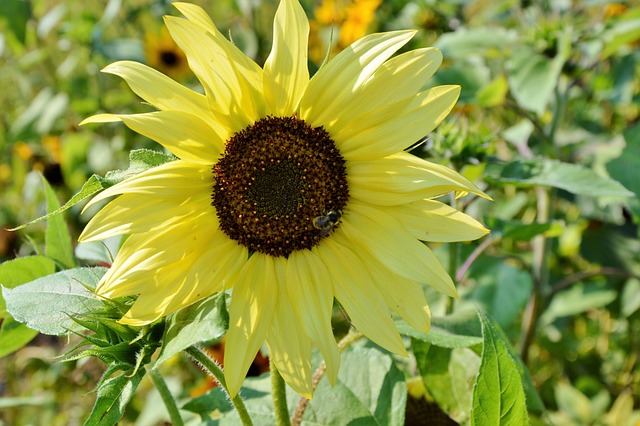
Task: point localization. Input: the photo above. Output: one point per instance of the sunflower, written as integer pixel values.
(288, 190)
(162, 53)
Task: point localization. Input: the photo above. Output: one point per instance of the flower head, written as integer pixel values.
(288, 190)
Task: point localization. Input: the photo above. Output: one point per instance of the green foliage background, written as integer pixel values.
(547, 123)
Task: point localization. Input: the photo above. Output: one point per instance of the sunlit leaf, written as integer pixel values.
(498, 395)
(139, 161)
(532, 78)
(494, 93)
(579, 298)
(57, 239)
(114, 395)
(202, 321)
(47, 303)
(475, 41)
(573, 178)
(13, 336)
(22, 270)
(370, 389)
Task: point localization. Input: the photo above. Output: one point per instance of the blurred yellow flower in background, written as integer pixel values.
(344, 20)
(163, 54)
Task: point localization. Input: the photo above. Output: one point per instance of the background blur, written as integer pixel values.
(547, 80)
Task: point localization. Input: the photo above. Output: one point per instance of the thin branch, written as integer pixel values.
(486, 243)
(347, 340)
(577, 277)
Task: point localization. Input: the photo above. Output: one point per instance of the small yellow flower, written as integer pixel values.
(288, 190)
(351, 20)
(360, 15)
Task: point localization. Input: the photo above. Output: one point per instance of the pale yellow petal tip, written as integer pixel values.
(233, 384)
(112, 67)
(100, 118)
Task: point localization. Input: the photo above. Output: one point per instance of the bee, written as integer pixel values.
(326, 222)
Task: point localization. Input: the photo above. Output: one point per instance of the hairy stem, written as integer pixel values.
(166, 396)
(279, 395)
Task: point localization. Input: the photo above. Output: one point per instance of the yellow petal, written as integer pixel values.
(184, 134)
(393, 127)
(152, 304)
(232, 82)
(405, 297)
(251, 313)
(135, 213)
(289, 346)
(403, 178)
(333, 85)
(310, 293)
(397, 79)
(168, 181)
(362, 300)
(196, 14)
(285, 72)
(384, 237)
(159, 90)
(431, 220)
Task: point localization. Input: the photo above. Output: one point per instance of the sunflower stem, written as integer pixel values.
(215, 371)
(166, 396)
(279, 395)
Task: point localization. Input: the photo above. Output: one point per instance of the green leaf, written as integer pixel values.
(370, 390)
(47, 303)
(580, 297)
(574, 403)
(202, 321)
(58, 244)
(475, 41)
(448, 376)
(498, 394)
(519, 230)
(113, 396)
(502, 289)
(91, 187)
(16, 13)
(22, 270)
(494, 93)
(574, 178)
(13, 336)
(625, 31)
(532, 78)
(216, 400)
(13, 273)
(625, 168)
(630, 300)
(442, 334)
(99, 252)
(139, 161)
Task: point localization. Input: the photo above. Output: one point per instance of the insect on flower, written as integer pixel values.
(327, 222)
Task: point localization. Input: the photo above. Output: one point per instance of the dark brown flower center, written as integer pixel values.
(280, 186)
(169, 58)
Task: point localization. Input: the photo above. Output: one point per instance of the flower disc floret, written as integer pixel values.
(273, 180)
